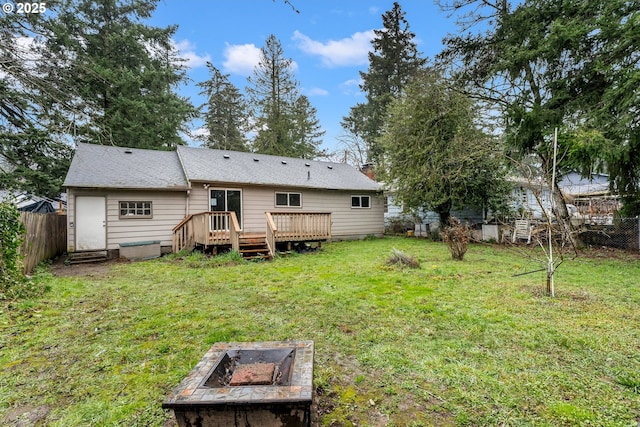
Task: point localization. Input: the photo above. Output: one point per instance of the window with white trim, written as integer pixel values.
(358, 202)
(288, 200)
(136, 210)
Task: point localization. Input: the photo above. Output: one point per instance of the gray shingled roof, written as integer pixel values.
(104, 166)
(100, 166)
(207, 165)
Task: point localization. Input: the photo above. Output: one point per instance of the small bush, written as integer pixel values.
(456, 236)
(11, 236)
(402, 259)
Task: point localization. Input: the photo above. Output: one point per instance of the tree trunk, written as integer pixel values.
(444, 212)
(564, 218)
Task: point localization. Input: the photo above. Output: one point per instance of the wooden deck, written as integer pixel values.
(213, 229)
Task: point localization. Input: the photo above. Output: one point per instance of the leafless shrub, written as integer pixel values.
(456, 235)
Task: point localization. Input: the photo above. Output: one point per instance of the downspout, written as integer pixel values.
(186, 177)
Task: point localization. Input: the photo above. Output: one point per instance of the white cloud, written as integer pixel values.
(241, 58)
(316, 91)
(351, 87)
(199, 133)
(338, 53)
(187, 51)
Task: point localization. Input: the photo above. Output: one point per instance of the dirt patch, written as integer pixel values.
(60, 268)
(610, 253)
(26, 416)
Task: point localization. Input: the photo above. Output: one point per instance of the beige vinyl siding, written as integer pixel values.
(347, 223)
(168, 211)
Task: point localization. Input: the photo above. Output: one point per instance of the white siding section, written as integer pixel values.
(347, 223)
(168, 210)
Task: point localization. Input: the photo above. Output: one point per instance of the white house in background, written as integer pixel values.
(424, 221)
(195, 196)
(587, 198)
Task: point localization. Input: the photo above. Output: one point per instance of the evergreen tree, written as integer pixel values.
(436, 157)
(88, 71)
(572, 65)
(394, 60)
(307, 131)
(33, 150)
(121, 71)
(277, 107)
(225, 115)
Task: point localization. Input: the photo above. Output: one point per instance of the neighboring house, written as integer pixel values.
(121, 196)
(587, 198)
(424, 221)
(30, 203)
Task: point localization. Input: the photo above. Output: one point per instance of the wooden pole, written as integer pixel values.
(550, 267)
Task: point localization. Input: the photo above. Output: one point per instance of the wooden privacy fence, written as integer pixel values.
(46, 237)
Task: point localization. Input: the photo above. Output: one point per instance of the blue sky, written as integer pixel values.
(328, 42)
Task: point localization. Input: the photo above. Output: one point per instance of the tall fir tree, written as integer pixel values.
(123, 73)
(275, 99)
(394, 60)
(307, 131)
(34, 153)
(225, 114)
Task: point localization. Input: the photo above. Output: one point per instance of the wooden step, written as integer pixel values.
(254, 246)
(86, 257)
(255, 251)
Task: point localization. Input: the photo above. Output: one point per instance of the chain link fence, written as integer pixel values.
(621, 233)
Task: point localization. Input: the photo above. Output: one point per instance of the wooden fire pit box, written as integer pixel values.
(272, 386)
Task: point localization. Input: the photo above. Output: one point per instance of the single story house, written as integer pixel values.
(201, 197)
(588, 199)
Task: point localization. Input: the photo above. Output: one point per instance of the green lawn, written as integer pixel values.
(451, 343)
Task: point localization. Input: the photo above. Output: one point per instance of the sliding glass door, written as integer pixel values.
(226, 200)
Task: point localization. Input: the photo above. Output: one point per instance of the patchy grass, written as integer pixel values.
(451, 343)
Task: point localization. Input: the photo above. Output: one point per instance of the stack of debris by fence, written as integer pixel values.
(622, 233)
(46, 237)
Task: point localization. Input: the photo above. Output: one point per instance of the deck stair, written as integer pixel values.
(254, 246)
(86, 257)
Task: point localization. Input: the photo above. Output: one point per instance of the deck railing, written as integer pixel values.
(222, 228)
(207, 228)
(298, 226)
(271, 234)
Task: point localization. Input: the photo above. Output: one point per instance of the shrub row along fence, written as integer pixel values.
(46, 237)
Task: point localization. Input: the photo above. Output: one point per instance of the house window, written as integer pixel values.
(291, 200)
(136, 210)
(360, 201)
(386, 204)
